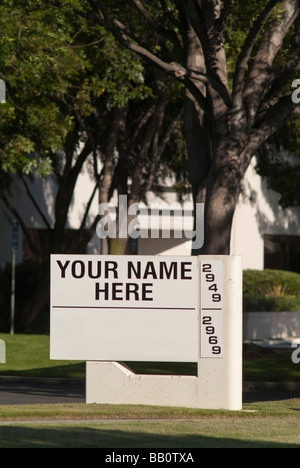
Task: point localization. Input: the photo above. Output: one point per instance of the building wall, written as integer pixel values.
(259, 214)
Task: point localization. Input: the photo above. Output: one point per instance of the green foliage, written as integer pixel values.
(33, 51)
(279, 163)
(56, 66)
(283, 178)
(271, 290)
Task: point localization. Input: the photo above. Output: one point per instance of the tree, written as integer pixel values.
(238, 85)
(70, 105)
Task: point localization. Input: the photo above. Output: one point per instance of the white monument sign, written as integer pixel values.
(106, 309)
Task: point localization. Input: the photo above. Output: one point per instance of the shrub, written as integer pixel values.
(28, 275)
(271, 290)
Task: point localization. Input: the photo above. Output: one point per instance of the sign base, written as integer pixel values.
(113, 383)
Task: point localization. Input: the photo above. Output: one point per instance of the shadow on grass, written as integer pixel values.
(84, 437)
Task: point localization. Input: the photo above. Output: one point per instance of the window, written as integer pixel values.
(282, 253)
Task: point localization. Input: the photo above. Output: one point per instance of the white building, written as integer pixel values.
(265, 235)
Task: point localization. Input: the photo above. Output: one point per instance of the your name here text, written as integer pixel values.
(140, 277)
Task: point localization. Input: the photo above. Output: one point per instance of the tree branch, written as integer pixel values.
(152, 128)
(217, 85)
(282, 112)
(36, 205)
(76, 239)
(289, 68)
(75, 171)
(107, 174)
(203, 103)
(121, 33)
(165, 33)
(245, 55)
(158, 150)
(142, 121)
(269, 47)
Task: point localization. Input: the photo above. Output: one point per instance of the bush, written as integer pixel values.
(28, 275)
(271, 290)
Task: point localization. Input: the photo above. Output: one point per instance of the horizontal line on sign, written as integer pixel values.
(124, 308)
(210, 308)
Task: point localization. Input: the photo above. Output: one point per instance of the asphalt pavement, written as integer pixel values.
(31, 391)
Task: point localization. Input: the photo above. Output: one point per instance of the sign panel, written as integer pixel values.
(124, 308)
(212, 309)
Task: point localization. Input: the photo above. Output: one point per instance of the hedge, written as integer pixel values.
(271, 290)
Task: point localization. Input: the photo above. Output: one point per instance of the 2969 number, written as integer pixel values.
(210, 331)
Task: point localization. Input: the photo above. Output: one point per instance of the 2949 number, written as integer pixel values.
(210, 278)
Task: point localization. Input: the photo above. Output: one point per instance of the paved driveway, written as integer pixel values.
(23, 391)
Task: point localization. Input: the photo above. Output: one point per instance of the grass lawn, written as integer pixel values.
(204, 433)
(267, 425)
(28, 355)
(261, 425)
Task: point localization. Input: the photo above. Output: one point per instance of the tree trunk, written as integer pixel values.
(196, 127)
(119, 246)
(219, 211)
(222, 193)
